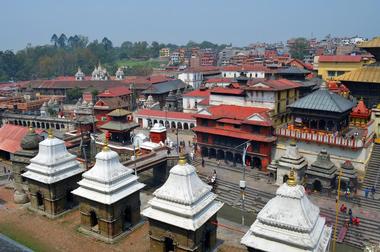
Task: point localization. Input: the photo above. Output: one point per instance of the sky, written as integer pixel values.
(239, 22)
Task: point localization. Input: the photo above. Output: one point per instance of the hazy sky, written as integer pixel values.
(239, 22)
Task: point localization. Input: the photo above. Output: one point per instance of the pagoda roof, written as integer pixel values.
(292, 158)
(373, 43)
(119, 126)
(289, 222)
(53, 163)
(108, 181)
(119, 112)
(361, 110)
(323, 166)
(348, 171)
(368, 74)
(184, 200)
(323, 100)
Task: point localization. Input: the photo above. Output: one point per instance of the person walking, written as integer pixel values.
(203, 162)
(373, 191)
(366, 192)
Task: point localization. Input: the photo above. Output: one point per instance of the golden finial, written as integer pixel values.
(292, 179)
(31, 130)
(105, 143)
(50, 133)
(182, 158)
(293, 142)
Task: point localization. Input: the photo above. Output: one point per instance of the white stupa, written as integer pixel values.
(108, 181)
(184, 201)
(289, 223)
(292, 159)
(53, 162)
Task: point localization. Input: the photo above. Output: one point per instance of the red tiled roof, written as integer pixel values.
(340, 58)
(257, 68)
(305, 65)
(198, 93)
(233, 112)
(203, 69)
(232, 91)
(229, 121)
(280, 84)
(361, 110)
(235, 133)
(115, 92)
(220, 80)
(11, 136)
(164, 114)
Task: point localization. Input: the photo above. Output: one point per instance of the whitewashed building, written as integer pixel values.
(249, 71)
(192, 78)
(183, 212)
(289, 223)
(191, 99)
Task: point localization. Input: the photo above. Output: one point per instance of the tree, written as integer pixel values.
(62, 40)
(54, 39)
(74, 94)
(299, 48)
(107, 44)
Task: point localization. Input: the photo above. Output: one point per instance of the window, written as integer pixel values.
(331, 73)
(236, 126)
(204, 123)
(195, 104)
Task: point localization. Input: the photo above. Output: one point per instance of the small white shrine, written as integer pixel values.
(289, 223)
(292, 159)
(109, 197)
(182, 212)
(51, 175)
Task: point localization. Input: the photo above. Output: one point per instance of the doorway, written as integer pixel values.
(317, 186)
(40, 200)
(169, 245)
(94, 221)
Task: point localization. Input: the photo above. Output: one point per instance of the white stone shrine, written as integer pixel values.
(289, 223)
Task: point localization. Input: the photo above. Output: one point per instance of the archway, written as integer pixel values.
(238, 159)
(43, 125)
(40, 199)
(204, 152)
(229, 156)
(149, 122)
(313, 124)
(167, 124)
(285, 178)
(24, 123)
(57, 126)
(62, 126)
(127, 217)
(317, 185)
(173, 125)
(154, 122)
(212, 153)
(93, 219)
(220, 154)
(256, 163)
(192, 125)
(330, 125)
(161, 122)
(179, 125)
(28, 123)
(33, 124)
(185, 126)
(69, 198)
(169, 244)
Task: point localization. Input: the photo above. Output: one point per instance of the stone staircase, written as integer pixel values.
(372, 176)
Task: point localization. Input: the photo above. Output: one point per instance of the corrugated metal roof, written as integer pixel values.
(120, 126)
(11, 136)
(165, 87)
(365, 74)
(323, 100)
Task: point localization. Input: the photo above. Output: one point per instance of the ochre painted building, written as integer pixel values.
(332, 66)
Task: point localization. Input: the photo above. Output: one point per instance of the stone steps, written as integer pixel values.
(372, 176)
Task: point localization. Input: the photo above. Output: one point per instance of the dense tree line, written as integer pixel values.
(65, 54)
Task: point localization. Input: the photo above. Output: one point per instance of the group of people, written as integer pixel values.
(367, 191)
(352, 220)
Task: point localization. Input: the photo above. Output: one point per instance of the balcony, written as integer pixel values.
(322, 138)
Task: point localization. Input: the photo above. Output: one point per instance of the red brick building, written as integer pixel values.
(222, 131)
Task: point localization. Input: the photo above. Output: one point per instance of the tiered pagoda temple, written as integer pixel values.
(292, 159)
(109, 196)
(321, 174)
(51, 177)
(120, 126)
(183, 213)
(349, 177)
(360, 115)
(321, 110)
(289, 223)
